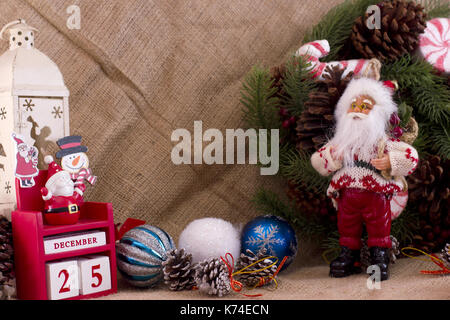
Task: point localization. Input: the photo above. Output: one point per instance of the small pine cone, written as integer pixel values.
(253, 279)
(178, 270)
(7, 276)
(395, 249)
(401, 24)
(394, 252)
(211, 277)
(277, 74)
(7, 289)
(445, 255)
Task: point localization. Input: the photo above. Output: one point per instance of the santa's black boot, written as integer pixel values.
(346, 264)
(380, 257)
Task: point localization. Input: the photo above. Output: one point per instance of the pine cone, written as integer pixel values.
(278, 74)
(7, 276)
(429, 191)
(394, 252)
(445, 255)
(253, 279)
(211, 277)
(178, 270)
(317, 119)
(313, 203)
(401, 24)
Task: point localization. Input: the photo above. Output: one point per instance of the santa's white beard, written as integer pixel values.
(358, 134)
(23, 153)
(62, 187)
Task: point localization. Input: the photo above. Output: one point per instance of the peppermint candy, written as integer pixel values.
(434, 44)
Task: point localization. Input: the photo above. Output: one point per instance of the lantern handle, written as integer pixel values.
(8, 25)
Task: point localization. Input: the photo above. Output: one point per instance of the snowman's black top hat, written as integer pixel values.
(70, 145)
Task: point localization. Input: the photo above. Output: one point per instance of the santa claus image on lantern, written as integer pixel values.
(62, 199)
(74, 159)
(26, 162)
(358, 156)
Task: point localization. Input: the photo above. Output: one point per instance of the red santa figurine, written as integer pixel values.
(62, 198)
(26, 164)
(367, 167)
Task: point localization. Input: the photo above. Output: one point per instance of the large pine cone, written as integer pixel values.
(7, 276)
(211, 277)
(429, 190)
(178, 270)
(253, 279)
(313, 203)
(401, 24)
(318, 117)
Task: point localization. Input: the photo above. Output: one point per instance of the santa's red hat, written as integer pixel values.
(54, 171)
(17, 139)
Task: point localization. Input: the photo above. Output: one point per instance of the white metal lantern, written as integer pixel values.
(33, 103)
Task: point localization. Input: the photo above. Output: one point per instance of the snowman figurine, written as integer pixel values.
(74, 160)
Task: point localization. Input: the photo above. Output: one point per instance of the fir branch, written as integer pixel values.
(422, 144)
(297, 84)
(257, 96)
(405, 226)
(332, 241)
(421, 88)
(337, 24)
(408, 72)
(432, 103)
(433, 139)
(436, 8)
(268, 202)
(296, 166)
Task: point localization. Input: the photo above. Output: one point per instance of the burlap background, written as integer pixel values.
(137, 70)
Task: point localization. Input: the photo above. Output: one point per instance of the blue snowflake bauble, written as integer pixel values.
(272, 232)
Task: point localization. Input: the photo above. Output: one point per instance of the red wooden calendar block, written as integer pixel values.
(62, 279)
(94, 274)
(29, 231)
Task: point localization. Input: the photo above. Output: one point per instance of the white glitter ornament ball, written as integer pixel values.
(210, 238)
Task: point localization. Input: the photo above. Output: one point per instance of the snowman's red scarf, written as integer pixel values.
(83, 174)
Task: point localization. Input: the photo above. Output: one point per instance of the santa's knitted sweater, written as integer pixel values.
(362, 174)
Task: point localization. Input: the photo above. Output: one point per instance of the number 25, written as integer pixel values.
(96, 275)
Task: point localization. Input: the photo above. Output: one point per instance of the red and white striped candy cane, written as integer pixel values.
(83, 174)
(321, 48)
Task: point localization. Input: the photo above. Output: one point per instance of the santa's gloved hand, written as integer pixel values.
(46, 194)
(80, 188)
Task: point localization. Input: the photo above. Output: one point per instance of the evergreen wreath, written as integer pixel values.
(276, 98)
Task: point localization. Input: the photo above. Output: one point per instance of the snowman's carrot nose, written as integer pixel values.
(75, 161)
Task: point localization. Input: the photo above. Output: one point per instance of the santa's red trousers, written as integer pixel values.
(358, 206)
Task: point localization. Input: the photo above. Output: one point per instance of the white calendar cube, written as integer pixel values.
(62, 279)
(95, 274)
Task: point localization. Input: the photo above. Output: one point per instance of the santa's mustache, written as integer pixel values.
(357, 116)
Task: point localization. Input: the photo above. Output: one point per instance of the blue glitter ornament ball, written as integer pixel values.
(272, 232)
(140, 254)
